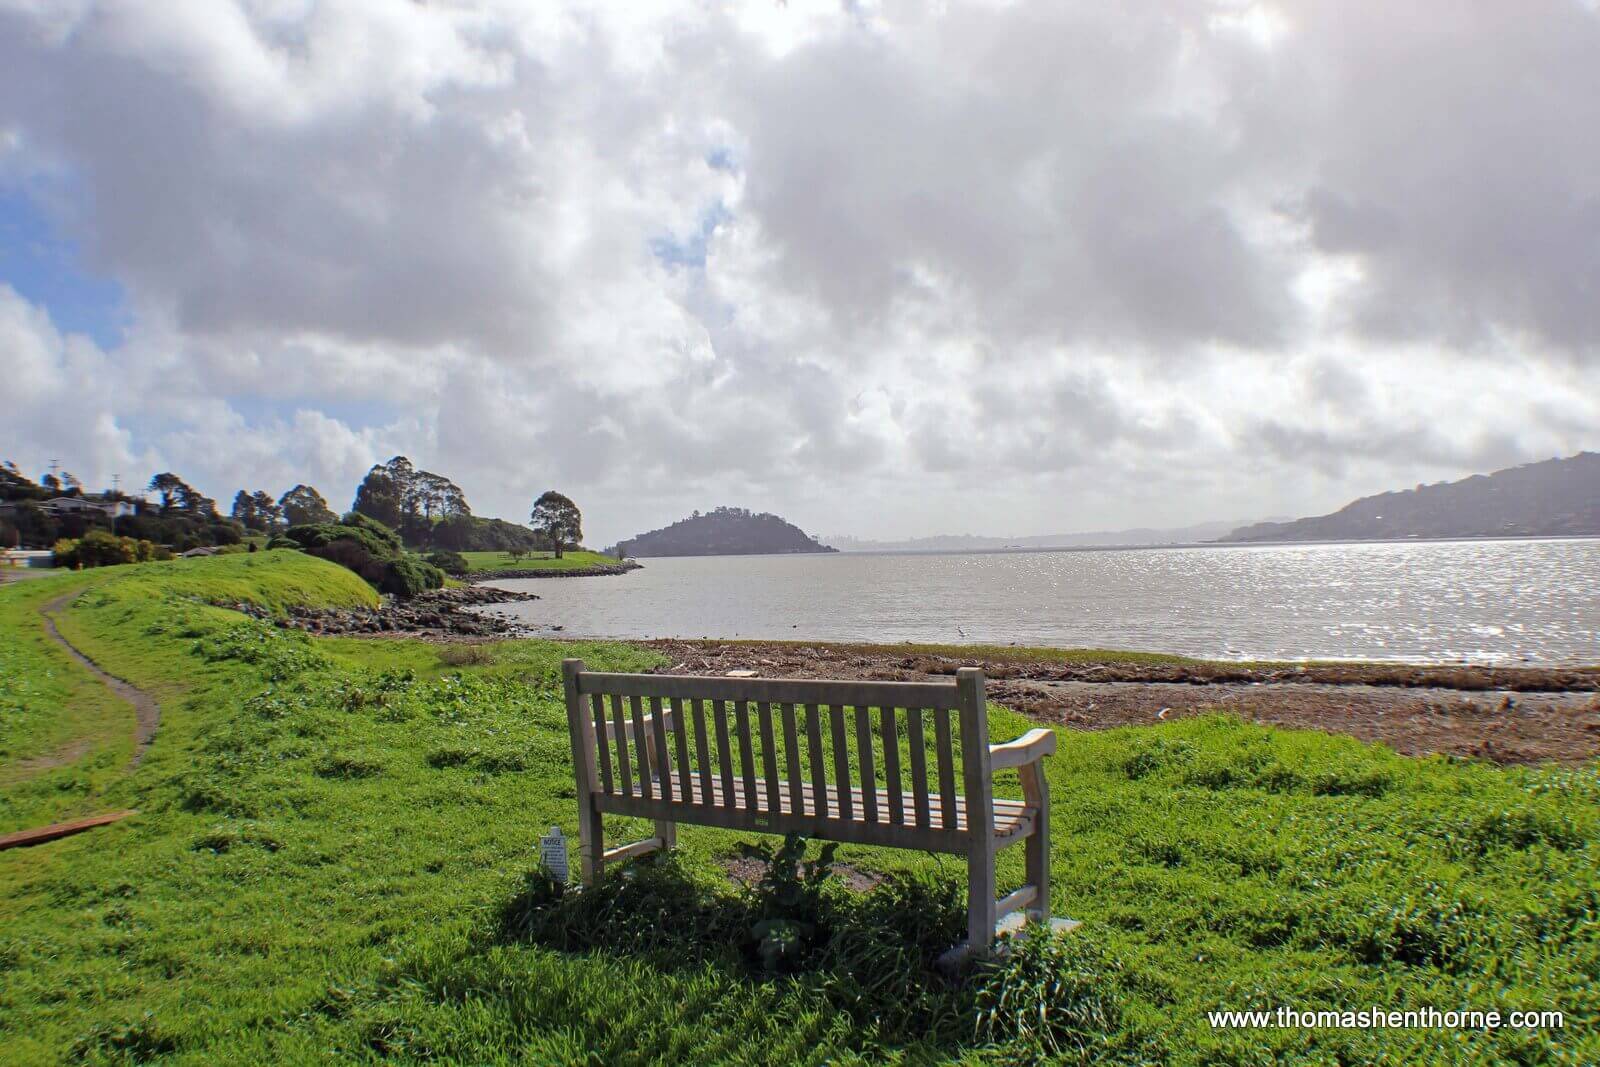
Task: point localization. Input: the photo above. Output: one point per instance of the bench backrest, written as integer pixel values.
(892, 761)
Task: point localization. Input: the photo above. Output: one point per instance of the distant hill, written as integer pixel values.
(1205, 531)
(1557, 497)
(723, 532)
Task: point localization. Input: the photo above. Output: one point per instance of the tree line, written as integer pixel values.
(427, 511)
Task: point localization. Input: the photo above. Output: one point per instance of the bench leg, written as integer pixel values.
(980, 899)
(1036, 791)
(591, 842)
(668, 833)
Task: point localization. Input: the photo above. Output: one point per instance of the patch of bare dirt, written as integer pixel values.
(748, 872)
(65, 756)
(1503, 714)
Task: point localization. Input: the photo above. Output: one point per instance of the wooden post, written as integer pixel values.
(591, 825)
(1036, 791)
(978, 785)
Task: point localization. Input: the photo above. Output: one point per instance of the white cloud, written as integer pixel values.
(1063, 265)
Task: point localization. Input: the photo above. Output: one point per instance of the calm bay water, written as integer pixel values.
(1478, 601)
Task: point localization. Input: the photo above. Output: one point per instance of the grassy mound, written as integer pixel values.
(479, 562)
(336, 842)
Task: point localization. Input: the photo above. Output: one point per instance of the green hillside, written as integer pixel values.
(571, 560)
(333, 852)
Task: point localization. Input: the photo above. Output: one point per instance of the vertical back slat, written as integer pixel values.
(919, 766)
(791, 749)
(841, 761)
(641, 748)
(769, 758)
(819, 777)
(597, 704)
(663, 766)
(947, 769)
(719, 708)
(623, 766)
(703, 750)
(869, 779)
(680, 732)
(747, 755)
(891, 766)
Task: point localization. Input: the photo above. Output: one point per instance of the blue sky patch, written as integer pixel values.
(45, 268)
(691, 251)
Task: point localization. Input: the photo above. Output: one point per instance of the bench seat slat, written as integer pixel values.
(1011, 817)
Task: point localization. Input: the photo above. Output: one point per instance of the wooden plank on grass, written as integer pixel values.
(39, 835)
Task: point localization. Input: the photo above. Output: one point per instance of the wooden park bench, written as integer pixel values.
(855, 762)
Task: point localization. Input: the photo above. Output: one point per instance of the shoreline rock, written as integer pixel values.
(437, 615)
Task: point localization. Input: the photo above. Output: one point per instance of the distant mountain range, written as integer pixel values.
(723, 532)
(1558, 497)
(1180, 535)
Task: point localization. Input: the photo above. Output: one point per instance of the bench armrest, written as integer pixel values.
(1031, 746)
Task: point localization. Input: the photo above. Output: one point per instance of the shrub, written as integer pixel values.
(323, 534)
(409, 576)
(372, 550)
(452, 563)
(100, 549)
(372, 527)
(787, 902)
(466, 655)
(1060, 996)
(352, 555)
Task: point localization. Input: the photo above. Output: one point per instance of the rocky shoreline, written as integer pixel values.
(440, 615)
(596, 571)
(1501, 714)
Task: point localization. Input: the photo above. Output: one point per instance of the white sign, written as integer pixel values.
(553, 854)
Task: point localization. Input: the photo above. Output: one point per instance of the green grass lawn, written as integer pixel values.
(536, 561)
(335, 841)
(64, 735)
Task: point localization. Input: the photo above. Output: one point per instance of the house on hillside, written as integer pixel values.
(23, 557)
(81, 505)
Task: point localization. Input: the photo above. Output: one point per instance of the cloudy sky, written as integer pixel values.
(884, 268)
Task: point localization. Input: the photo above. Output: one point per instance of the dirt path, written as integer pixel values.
(1507, 715)
(146, 710)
